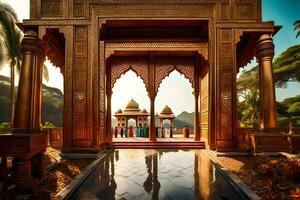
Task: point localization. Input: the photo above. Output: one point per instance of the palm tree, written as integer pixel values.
(11, 38)
(297, 27)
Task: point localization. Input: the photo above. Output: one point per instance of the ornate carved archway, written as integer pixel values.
(121, 65)
(152, 68)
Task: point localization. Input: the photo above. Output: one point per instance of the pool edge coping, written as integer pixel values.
(70, 188)
(232, 177)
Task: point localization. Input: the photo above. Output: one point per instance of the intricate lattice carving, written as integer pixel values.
(244, 11)
(52, 8)
(226, 100)
(121, 65)
(156, 1)
(201, 47)
(165, 65)
(78, 8)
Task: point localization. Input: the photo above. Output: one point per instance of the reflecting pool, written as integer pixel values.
(156, 174)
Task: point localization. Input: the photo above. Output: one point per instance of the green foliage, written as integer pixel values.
(4, 127)
(248, 99)
(48, 125)
(294, 109)
(286, 66)
(297, 27)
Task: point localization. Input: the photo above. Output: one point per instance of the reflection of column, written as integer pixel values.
(152, 119)
(196, 117)
(156, 184)
(196, 176)
(148, 183)
(113, 184)
(265, 54)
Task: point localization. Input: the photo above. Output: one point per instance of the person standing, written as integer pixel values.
(184, 132)
(116, 132)
(126, 131)
(121, 132)
(187, 132)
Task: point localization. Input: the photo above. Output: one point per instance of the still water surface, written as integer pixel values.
(155, 174)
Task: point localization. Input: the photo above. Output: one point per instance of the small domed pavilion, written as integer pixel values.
(166, 113)
(131, 111)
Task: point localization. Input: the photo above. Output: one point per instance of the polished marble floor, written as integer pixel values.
(156, 174)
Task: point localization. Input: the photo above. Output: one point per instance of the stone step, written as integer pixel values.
(159, 145)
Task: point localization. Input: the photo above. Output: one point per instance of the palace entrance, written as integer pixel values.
(153, 67)
(205, 40)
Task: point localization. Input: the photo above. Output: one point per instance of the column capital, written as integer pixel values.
(265, 47)
(32, 44)
(152, 96)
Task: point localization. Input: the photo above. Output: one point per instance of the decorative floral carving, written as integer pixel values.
(165, 65)
(121, 65)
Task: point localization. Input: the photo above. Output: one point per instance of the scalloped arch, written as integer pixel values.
(172, 70)
(127, 70)
(120, 66)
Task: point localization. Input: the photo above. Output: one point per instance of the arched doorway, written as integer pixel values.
(153, 68)
(53, 100)
(179, 102)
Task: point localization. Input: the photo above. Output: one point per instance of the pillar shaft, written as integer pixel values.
(196, 117)
(27, 117)
(265, 54)
(152, 119)
(108, 123)
(108, 104)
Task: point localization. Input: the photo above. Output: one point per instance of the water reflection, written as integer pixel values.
(155, 174)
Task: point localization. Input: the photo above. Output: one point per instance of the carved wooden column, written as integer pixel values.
(196, 97)
(152, 119)
(28, 140)
(265, 54)
(196, 116)
(27, 118)
(108, 119)
(152, 95)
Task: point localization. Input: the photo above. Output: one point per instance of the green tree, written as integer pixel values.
(297, 27)
(286, 66)
(11, 38)
(248, 98)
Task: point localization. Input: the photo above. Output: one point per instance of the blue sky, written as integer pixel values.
(175, 90)
(284, 13)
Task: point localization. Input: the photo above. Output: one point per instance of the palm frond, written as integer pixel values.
(297, 22)
(45, 73)
(11, 37)
(6, 8)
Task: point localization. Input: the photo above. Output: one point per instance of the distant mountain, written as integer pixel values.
(185, 118)
(52, 103)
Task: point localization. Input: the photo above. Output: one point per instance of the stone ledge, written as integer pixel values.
(66, 192)
(233, 180)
